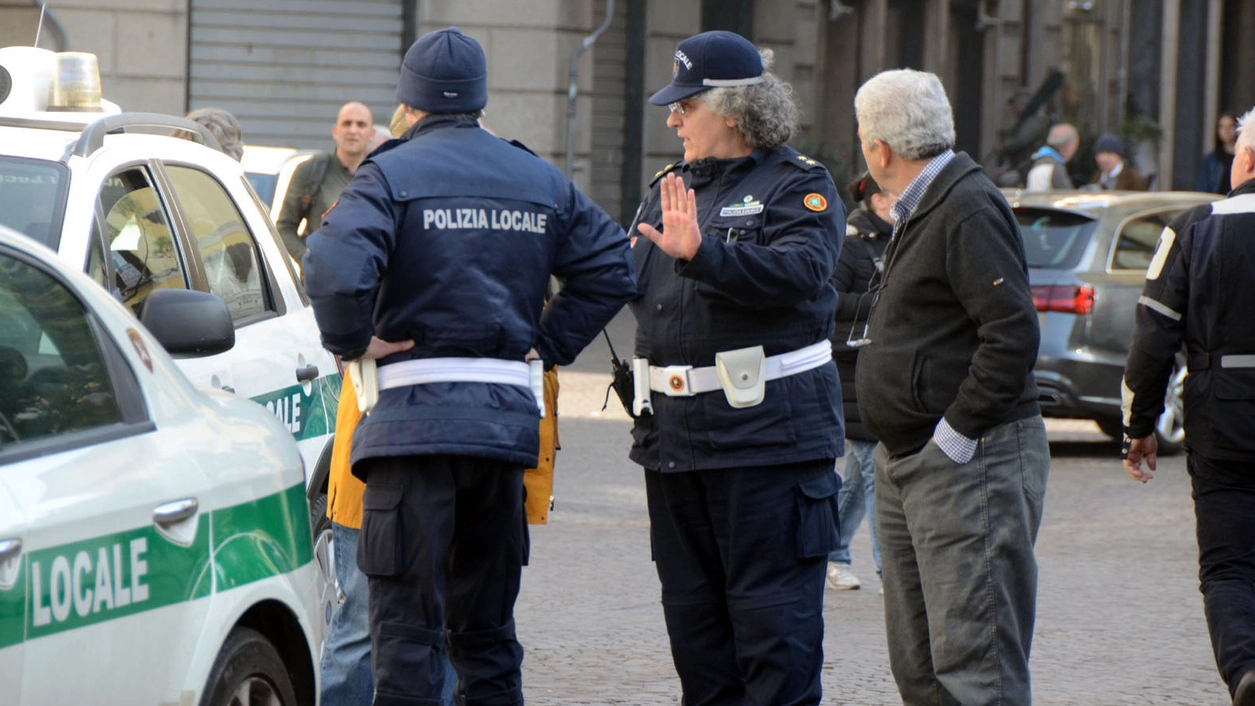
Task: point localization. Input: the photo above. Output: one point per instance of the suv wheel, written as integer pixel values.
(324, 554)
(248, 672)
(1170, 428)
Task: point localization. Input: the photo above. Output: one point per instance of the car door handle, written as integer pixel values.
(307, 373)
(175, 511)
(10, 548)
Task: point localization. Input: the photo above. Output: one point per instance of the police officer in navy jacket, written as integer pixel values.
(734, 258)
(434, 263)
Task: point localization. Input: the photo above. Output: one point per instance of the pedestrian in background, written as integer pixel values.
(1214, 172)
(1199, 293)
(734, 264)
(1050, 163)
(224, 127)
(1113, 172)
(434, 263)
(1025, 133)
(317, 182)
(867, 233)
(945, 382)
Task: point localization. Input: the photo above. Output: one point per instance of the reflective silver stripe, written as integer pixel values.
(1152, 304)
(1237, 361)
(1244, 203)
(428, 370)
(721, 82)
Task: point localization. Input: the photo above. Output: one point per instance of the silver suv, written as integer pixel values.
(1087, 258)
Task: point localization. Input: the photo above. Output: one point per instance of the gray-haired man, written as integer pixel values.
(946, 384)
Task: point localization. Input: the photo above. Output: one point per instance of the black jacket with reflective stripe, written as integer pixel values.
(1199, 293)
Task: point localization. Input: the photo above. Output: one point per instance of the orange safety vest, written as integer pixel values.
(344, 490)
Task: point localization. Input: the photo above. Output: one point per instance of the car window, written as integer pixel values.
(227, 249)
(53, 377)
(1053, 239)
(1135, 244)
(32, 195)
(263, 184)
(142, 255)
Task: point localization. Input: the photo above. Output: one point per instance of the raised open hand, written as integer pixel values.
(680, 236)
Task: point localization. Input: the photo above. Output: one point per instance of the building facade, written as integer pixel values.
(572, 85)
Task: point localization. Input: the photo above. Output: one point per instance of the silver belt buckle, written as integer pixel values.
(677, 381)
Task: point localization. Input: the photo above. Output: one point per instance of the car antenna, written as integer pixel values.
(43, 6)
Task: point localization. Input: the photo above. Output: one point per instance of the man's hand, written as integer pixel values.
(380, 348)
(681, 235)
(1143, 449)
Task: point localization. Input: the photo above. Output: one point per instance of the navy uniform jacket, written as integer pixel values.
(772, 226)
(1200, 292)
(448, 239)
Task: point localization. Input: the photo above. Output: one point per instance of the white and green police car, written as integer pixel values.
(155, 541)
(141, 212)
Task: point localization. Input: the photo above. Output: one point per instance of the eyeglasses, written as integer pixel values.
(676, 108)
(862, 340)
(874, 288)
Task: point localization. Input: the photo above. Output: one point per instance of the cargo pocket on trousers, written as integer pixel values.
(379, 547)
(818, 531)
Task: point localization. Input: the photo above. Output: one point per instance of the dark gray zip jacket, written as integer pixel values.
(953, 329)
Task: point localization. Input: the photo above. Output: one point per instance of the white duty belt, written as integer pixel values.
(687, 381)
(423, 371)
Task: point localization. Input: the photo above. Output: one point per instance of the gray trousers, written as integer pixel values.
(960, 578)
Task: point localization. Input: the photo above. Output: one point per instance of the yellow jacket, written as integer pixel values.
(344, 490)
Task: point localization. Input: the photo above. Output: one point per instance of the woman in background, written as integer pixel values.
(1213, 175)
(869, 227)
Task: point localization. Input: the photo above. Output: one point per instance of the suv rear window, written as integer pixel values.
(1053, 239)
(32, 197)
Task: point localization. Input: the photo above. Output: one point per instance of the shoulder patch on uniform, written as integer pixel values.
(815, 202)
(662, 172)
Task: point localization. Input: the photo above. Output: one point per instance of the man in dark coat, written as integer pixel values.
(1199, 293)
(946, 383)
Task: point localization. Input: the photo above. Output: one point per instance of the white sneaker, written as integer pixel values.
(840, 578)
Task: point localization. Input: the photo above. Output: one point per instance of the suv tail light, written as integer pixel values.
(1069, 299)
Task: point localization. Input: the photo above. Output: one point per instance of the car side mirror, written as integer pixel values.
(188, 323)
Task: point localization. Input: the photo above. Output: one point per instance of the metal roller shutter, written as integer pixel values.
(284, 67)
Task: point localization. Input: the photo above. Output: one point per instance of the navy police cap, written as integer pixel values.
(711, 60)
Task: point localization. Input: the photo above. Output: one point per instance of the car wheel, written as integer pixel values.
(248, 672)
(318, 520)
(324, 554)
(1170, 429)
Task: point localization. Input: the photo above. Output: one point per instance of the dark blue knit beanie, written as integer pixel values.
(444, 72)
(1108, 142)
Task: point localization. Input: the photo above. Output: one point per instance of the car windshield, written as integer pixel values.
(1053, 239)
(32, 197)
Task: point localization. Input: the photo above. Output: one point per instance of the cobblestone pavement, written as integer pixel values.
(1119, 617)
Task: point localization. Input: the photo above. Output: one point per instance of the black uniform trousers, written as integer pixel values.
(1224, 507)
(443, 541)
(741, 555)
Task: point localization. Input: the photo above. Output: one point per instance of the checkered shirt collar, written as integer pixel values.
(914, 191)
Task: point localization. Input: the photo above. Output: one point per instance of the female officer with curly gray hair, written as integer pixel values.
(738, 405)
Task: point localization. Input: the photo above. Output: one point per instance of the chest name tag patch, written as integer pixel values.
(815, 202)
(748, 207)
